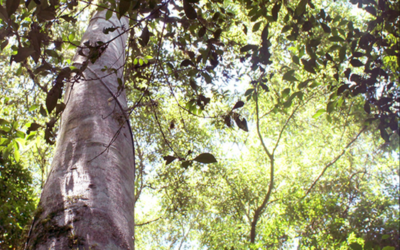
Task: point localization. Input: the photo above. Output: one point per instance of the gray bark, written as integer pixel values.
(88, 199)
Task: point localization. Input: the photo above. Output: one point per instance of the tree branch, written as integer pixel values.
(333, 162)
(32, 76)
(283, 129)
(260, 209)
(147, 222)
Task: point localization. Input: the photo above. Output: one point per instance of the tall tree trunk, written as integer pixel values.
(88, 199)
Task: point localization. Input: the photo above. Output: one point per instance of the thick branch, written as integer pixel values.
(260, 209)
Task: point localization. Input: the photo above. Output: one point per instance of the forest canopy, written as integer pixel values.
(267, 124)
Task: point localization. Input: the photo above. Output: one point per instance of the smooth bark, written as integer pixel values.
(88, 199)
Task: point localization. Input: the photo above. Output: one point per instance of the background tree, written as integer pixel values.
(186, 65)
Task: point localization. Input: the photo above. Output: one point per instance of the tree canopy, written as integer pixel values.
(257, 124)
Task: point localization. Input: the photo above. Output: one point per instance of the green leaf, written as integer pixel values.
(186, 63)
(253, 11)
(123, 7)
(60, 107)
(207, 77)
(371, 10)
(108, 14)
(248, 47)
(388, 248)
(23, 53)
(42, 111)
(33, 107)
(168, 159)
(334, 47)
(217, 33)
(245, 29)
(319, 113)
(205, 158)
(301, 7)
(3, 13)
(384, 134)
(288, 76)
(264, 33)
(257, 16)
(336, 39)
(287, 104)
(256, 26)
(145, 36)
(326, 28)
(264, 87)
(68, 18)
(308, 66)
(202, 31)
(108, 30)
(12, 6)
(358, 54)
(189, 10)
(355, 246)
(4, 141)
(275, 10)
(3, 45)
(329, 118)
(295, 59)
(342, 53)
(304, 84)
(185, 164)
(367, 109)
(52, 97)
(286, 28)
(46, 14)
(330, 106)
(216, 16)
(248, 92)
(285, 92)
(356, 63)
(385, 236)
(17, 155)
(20, 134)
(242, 124)
(239, 104)
(314, 84)
(33, 127)
(4, 122)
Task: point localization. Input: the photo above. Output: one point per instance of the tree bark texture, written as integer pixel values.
(88, 199)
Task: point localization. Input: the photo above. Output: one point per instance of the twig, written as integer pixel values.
(147, 222)
(283, 128)
(333, 162)
(32, 76)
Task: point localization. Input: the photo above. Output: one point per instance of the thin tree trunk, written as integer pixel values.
(88, 199)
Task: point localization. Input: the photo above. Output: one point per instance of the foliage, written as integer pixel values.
(300, 92)
(223, 198)
(18, 202)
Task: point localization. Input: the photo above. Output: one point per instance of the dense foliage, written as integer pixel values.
(263, 124)
(18, 202)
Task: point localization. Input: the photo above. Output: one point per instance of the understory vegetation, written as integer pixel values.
(267, 124)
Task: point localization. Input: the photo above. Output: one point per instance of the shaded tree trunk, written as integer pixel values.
(88, 199)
